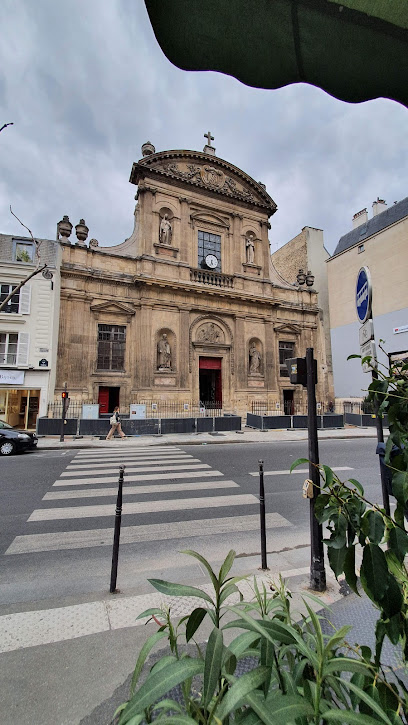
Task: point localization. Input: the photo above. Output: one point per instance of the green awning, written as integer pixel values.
(355, 49)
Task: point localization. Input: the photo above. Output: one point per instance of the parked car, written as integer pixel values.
(12, 440)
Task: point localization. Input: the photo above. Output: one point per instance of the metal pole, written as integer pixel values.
(116, 535)
(380, 439)
(264, 564)
(317, 570)
(64, 412)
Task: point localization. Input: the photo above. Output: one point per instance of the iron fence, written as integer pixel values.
(154, 409)
(288, 407)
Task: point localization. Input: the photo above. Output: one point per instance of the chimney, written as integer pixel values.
(379, 206)
(360, 218)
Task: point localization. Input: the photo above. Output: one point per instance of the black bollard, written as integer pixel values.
(116, 535)
(264, 565)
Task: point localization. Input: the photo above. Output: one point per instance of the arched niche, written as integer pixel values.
(255, 357)
(165, 350)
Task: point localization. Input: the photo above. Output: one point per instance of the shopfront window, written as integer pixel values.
(19, 407)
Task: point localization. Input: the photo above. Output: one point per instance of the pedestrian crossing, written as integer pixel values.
(163, 482)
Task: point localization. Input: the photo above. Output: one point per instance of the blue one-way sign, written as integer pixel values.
(363, 294)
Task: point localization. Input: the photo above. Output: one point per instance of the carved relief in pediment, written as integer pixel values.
(210, 333)
(211, 177)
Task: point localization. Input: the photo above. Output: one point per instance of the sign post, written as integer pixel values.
(364, 294)
(65, 404)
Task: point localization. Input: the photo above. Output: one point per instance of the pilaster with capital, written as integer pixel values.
(183, 350)
(240, 354)
(271, 365)
(185, 230)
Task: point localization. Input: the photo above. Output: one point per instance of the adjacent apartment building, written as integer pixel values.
(381, 244)
(28, 328)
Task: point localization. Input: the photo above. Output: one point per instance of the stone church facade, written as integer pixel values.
(189, 308)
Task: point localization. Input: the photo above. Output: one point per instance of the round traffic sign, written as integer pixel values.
(363, 294)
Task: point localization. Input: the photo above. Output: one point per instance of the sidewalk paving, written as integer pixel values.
(247, 435)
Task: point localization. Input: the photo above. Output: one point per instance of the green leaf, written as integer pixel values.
(317, 628)
(244, 641)
(336, 559)
(226, 566)
(158, 683)
(391, 602)
(348, 716)
(400, 487)
(212, 666)
(150, 612)
(179, 720)
(205, 564)
(298, 462)
(320, 504)
(328, 475)
(365, 697)
(349, 568)
(398, 542)
(240, 689)
(194, 621)
(351, 357)
(373, 526)
(374, 572)
(346, 664)
(146, 649)
(227, 591)
(337, 638)
(279, 709)
(179, 590)
(356, 485)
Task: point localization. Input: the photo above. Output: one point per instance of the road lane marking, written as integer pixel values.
(143, 507)
(125, 451)
(62, 540)
(130, 490)
(140, 469)
(144, 477)
(298, 470)
(132, 462)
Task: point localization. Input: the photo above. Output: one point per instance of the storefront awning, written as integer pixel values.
(354, 49)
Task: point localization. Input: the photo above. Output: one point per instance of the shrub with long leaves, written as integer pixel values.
(300, 675)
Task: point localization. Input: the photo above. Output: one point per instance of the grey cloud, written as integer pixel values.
(86, 84)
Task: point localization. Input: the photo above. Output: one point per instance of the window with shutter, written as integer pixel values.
(25, 299)
(22, 350)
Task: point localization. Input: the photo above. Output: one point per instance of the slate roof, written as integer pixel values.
(393, 214)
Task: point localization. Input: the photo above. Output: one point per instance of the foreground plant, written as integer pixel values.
(300, 674)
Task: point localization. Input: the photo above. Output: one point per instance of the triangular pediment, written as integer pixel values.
(288, 327)
(118, 308)
(205, 171)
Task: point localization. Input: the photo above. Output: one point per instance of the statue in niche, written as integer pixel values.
(250, 249)
(254, 360)
(165, 231)
(163, 353)
(209, 333)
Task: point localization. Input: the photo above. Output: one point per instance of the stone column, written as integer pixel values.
(264, 258)
(183, 351)
(148, 219)
(186, 251)
(241, 354)
(271, 364)
(146, 358)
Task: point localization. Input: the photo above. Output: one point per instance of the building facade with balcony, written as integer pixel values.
(189, 307)
(28, 328)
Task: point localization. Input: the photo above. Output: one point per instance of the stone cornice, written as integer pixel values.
(149, 165)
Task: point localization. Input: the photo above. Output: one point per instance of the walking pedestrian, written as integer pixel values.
(115, 425)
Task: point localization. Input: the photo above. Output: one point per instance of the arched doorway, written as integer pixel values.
(210, 381)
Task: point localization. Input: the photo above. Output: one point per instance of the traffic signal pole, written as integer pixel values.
(317, 570)
(64, 396)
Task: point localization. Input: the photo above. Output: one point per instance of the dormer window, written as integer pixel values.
(24, 252)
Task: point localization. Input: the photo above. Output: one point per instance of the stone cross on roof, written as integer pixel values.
(208, 149)
(209, 138)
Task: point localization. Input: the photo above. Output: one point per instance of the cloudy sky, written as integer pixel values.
(85, 84)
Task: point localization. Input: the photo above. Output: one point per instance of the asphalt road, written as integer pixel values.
(32, 571)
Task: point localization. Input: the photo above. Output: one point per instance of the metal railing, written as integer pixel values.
(288, 407)
(154, 409)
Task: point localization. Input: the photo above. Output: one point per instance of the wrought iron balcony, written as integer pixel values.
(215, 279)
